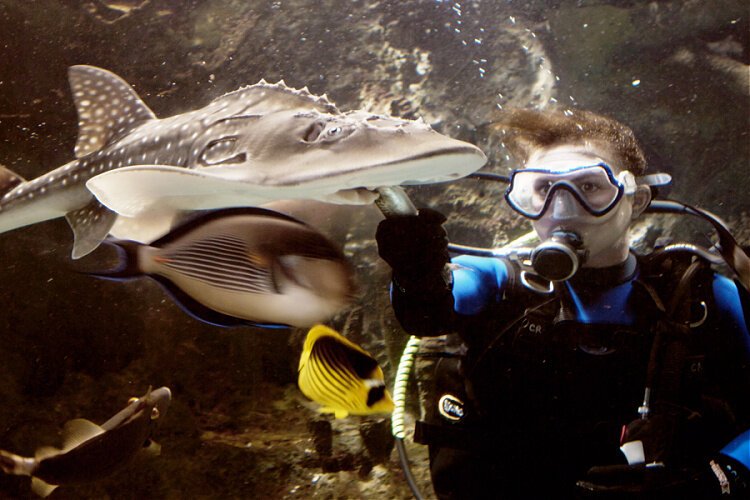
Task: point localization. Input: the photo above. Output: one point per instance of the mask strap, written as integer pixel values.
(658, 179)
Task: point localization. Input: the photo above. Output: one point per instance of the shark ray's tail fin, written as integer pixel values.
(8, 179)
(10, 463)
(128, 266)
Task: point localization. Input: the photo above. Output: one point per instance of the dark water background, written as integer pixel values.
(675, 71)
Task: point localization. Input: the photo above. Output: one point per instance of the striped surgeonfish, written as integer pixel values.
(244, 266)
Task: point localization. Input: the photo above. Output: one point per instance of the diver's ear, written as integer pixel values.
(641, 199)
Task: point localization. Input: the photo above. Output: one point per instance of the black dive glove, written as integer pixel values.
(720, 478)
(659, 477)
(415, 246)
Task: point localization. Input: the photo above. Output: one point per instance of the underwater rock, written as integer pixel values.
(378, 439)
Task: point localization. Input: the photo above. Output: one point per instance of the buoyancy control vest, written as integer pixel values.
(529, 376)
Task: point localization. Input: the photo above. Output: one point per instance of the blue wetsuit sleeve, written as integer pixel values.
(739, 449)
(477, 282)
(733, 321)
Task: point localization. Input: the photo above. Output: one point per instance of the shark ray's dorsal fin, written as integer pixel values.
(90, 226)
(78, 431)
(107, 107)
(41, 488)
(264, 97)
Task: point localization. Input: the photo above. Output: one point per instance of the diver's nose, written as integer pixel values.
(564, 205)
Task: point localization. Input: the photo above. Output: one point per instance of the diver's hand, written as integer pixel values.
(657, 470)
(414, 245)
(635, 481)
(720, 478)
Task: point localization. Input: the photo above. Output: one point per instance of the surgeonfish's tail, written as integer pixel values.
(8, 179)
(128, 265)
(10, 463)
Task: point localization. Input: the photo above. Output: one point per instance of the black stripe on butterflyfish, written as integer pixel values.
(325, 391)
(349, 365)
(332, 372)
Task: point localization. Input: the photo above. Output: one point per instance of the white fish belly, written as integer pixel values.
(299, 307)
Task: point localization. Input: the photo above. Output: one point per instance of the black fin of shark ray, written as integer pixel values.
(90, 226)
(102, 119)
(206, 314)
(189, 224)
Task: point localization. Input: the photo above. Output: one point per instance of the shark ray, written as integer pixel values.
(135, 172)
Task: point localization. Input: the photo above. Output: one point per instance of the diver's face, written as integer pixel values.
(605, 237)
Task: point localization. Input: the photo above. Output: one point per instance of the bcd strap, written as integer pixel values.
(672, 335)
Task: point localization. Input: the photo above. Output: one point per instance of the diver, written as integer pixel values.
(594, 372)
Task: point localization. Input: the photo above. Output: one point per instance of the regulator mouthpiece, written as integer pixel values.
(559, 257)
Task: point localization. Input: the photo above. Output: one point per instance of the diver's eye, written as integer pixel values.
(154, 413)
(132, 400)
(543, 187)
(588, 187)
(334, 131)
(220, 152)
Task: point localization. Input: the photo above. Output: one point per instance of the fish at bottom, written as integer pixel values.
(244, 266)
(91, 452)
(341, 376)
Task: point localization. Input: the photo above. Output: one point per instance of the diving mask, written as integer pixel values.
(594, 187)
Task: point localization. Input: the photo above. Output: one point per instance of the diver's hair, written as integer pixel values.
(526, 131)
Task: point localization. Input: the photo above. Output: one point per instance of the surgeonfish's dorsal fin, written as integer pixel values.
(107, 107)
(263, 98)
(41, 488)
(8, 179)
(191, 222)
(90, 226)
(78, 431)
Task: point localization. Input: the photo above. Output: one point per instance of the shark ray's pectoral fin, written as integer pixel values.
(46, 452)
(78, 431)
(90, 226)
(131, 191)
(41, 488)
(107, 107)
(147, 227)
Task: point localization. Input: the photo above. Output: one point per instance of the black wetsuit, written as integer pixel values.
(546, 380)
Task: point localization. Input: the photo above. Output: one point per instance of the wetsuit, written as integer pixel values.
(546, 380)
